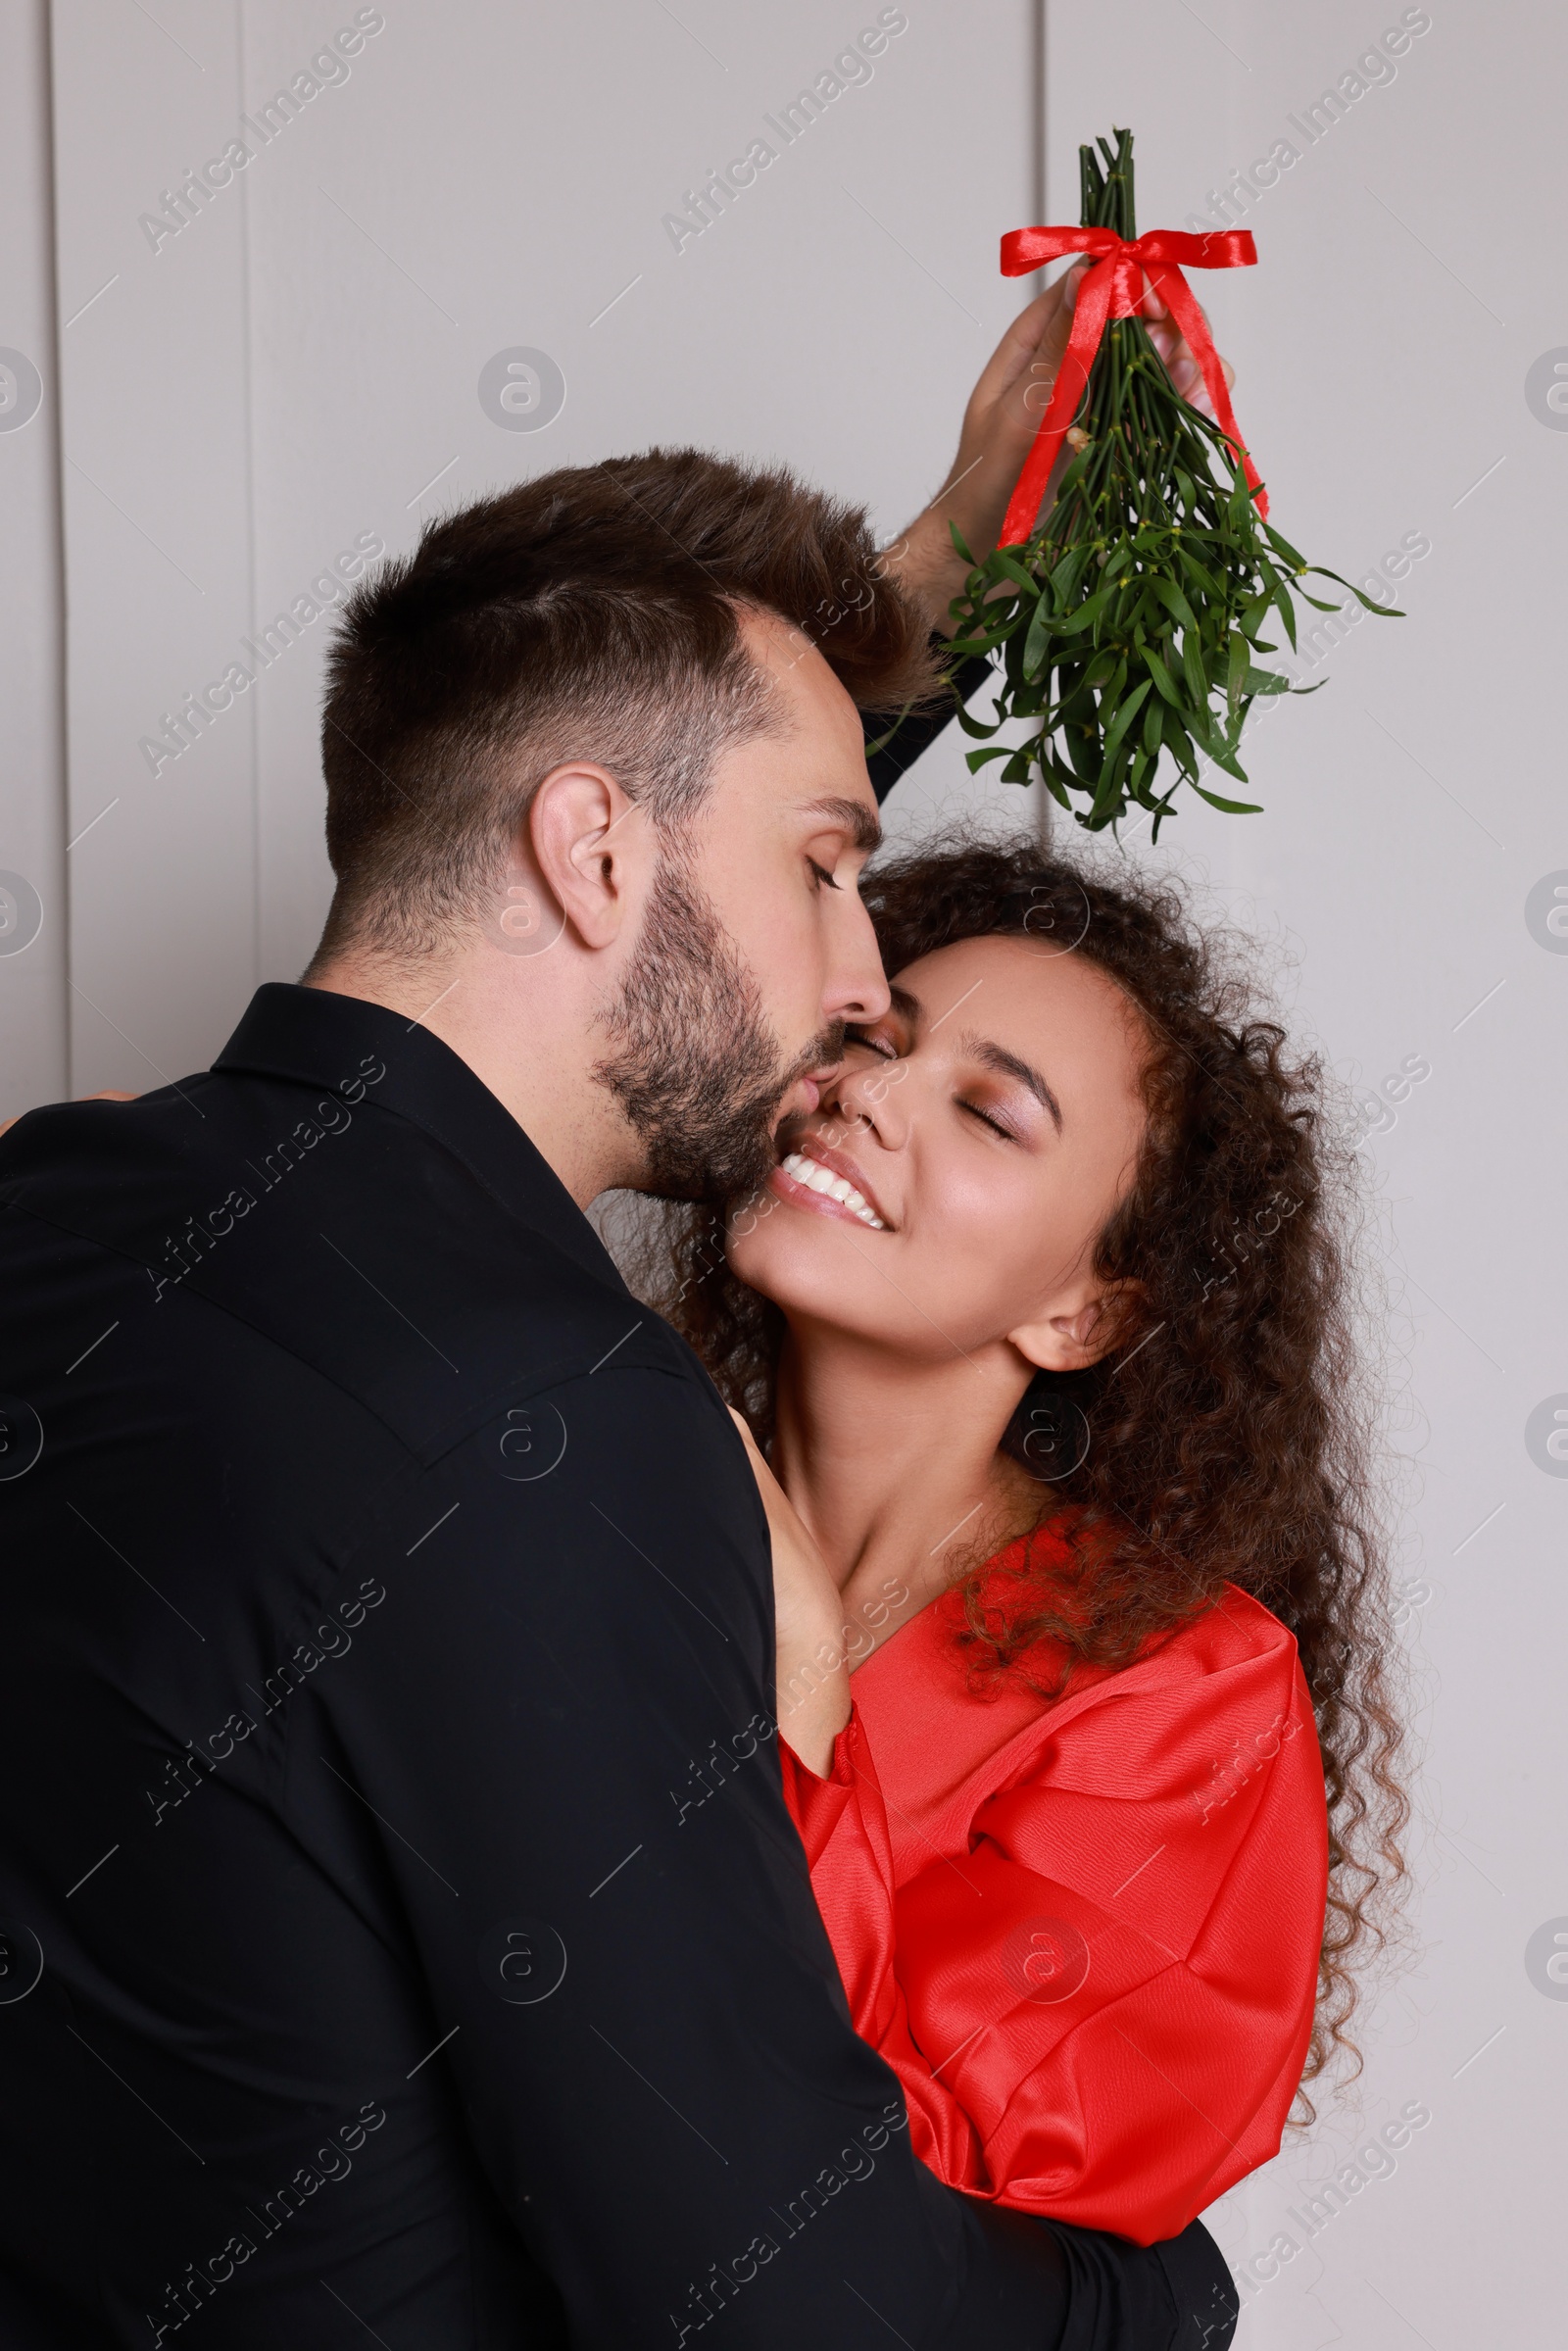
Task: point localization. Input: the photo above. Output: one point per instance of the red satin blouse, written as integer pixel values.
(1085, 1935)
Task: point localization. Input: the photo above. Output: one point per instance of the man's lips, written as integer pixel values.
(801, 1194)
(799, 1102)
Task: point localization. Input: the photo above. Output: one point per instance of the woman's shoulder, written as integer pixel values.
(1185, 1724)
(1234, 1633)
(1234, 1629)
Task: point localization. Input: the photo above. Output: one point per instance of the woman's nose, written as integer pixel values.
(872, 1100)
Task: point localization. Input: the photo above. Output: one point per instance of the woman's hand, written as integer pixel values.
(812, 1663)
(998, 425)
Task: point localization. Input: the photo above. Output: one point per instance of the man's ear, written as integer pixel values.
(590, 845)
(1082, 1332)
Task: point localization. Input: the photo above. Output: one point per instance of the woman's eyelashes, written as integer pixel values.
(987, 1118)
(885, 1044)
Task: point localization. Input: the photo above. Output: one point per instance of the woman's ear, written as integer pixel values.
(1081, 1334)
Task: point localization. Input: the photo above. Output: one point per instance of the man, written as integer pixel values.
(404, 1932)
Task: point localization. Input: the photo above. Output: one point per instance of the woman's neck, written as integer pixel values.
(894, 1467)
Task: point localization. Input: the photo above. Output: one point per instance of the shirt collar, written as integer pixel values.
(366, 1052)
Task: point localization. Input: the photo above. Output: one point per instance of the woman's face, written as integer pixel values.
(979, 1139)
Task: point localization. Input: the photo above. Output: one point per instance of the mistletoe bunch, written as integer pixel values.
(1130, 622)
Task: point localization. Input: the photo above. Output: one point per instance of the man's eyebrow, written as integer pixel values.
(1013, 1065)
(861, 824)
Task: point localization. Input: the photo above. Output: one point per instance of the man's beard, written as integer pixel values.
(695, 1067)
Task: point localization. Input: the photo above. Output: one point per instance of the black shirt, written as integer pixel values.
(893, 749)
(404, 1929)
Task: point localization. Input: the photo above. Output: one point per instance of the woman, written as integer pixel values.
(1043, 1324)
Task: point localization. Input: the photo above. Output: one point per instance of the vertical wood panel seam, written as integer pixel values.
(1037, 82)
(57, 585)
(248, 428)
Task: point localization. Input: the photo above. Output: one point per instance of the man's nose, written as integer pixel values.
(856, 988)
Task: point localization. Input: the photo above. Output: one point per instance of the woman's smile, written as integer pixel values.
(941, 1135)
(826, 1182)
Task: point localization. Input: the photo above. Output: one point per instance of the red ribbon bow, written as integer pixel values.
(1114, 289)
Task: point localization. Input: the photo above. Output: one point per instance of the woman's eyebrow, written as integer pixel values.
(1013, 1065)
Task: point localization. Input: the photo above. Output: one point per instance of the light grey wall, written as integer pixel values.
(298, 369)
(293, 373)
(32, 809)
(1409, 280)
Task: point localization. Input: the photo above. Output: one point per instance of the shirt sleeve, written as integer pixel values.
(892, 747)
(1099, 2011)
(561, 1753)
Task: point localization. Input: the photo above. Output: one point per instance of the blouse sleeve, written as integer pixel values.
(1101, 2009)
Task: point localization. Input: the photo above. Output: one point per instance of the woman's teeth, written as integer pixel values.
(823, 1179)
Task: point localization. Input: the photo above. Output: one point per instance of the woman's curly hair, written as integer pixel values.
(1227, 1438)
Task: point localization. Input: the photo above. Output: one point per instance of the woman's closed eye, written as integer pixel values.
(987, 1118)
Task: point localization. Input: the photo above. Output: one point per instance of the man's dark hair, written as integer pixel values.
(591, 614)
